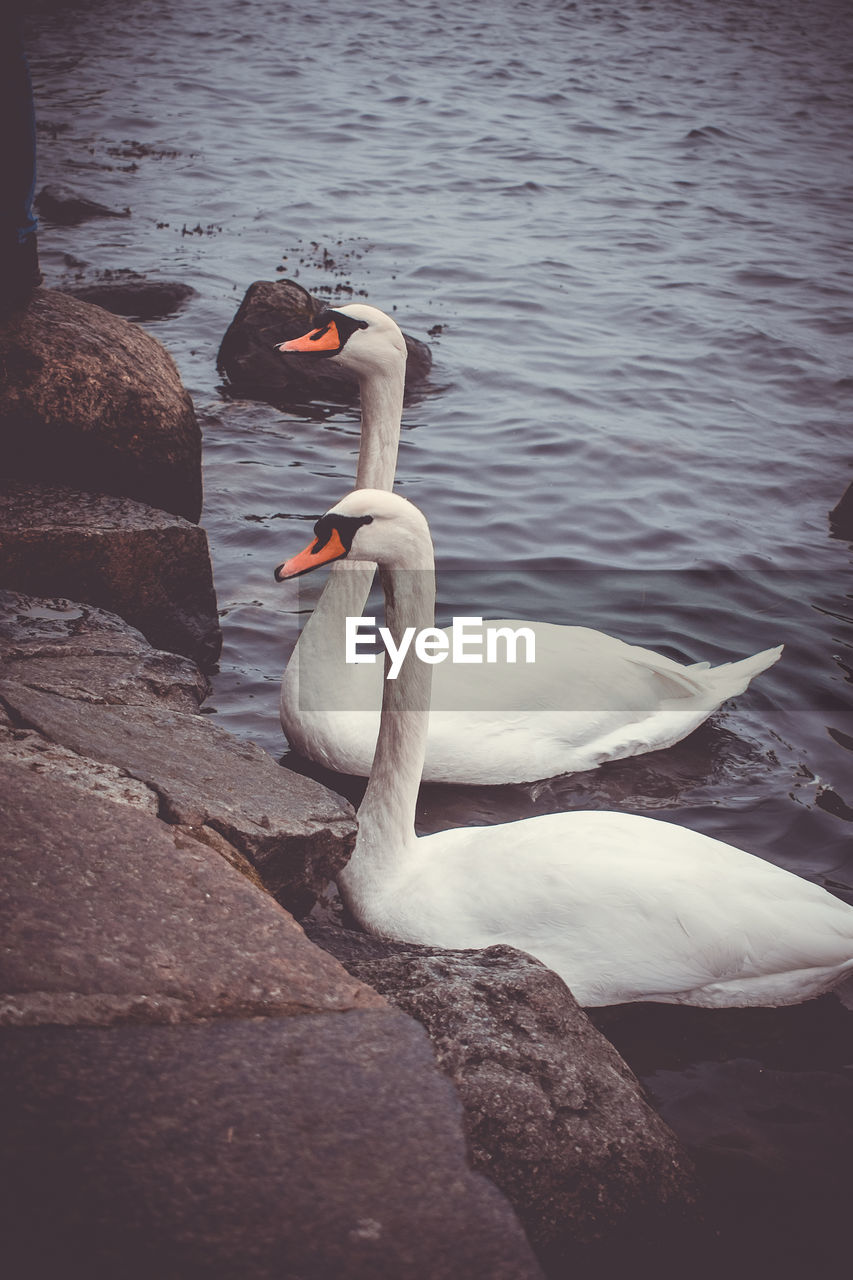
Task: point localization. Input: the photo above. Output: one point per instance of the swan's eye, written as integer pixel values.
(345, 527)
(323, 530)
(343, 324)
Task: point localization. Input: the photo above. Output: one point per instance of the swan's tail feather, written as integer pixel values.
(735, 676)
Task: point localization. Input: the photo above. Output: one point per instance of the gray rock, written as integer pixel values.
(150, 567)
(108, 916)
(89, 399)
(29, 749)
(40, 756)
(297, 833)
(554, 1116)
(77, 650)
(258, 1149)
(134, 296)
(270, 313)
(67, 208)
(214, 840)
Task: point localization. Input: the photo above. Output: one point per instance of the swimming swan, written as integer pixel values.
(623, 907)
(587, 698)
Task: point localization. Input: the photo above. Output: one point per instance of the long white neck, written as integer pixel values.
(317, 673)
(386, 818)
(381, 393)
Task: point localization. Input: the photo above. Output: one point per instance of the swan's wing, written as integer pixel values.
(578, 669)
(626, 907)
(587, 698)
(564, 668)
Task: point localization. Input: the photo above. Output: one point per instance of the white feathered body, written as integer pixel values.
(623, 907)
(586, 699)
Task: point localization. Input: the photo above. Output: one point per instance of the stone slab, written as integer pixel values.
(37, 754)
(107, 915)
(61, 646)
(267, 1149)
(151, 568)
(296, 832)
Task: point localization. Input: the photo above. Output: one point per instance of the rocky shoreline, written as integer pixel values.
(195, 1085)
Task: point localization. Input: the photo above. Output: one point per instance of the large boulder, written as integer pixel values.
(553, 1115)
(270, 313)
(150, 567)
(89, 399)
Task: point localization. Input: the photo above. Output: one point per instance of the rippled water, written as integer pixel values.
(631, 225)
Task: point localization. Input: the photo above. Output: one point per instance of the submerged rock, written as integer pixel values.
(135, 297)
(554, 1116)
(67, 208)
(841, 516)
(270, 313)
(91, 400)
(150, 567)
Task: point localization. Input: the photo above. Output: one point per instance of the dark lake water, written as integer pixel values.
(628, 228)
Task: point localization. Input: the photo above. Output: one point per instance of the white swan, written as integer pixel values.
(587, 698)
(624, 908)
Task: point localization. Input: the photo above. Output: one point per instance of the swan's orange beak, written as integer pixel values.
(326, 338)
(312, 558)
